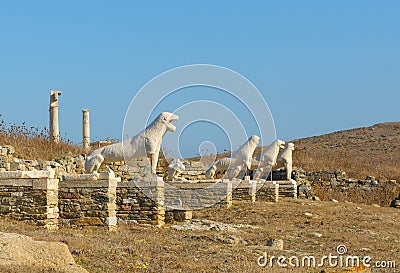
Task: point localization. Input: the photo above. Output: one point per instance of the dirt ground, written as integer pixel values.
(306, 228)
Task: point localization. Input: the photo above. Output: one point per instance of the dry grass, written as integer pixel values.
(365, 230)
(33, 143)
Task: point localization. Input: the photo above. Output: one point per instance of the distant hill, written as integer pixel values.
(373, 150)
(360, 152)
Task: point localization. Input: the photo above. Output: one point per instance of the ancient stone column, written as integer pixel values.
(85, 129)
(54, 133)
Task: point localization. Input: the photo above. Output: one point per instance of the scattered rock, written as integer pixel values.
(87, 221)
(304, 190)
(308, 214)
(315, 234)
(395, 203)
(334, 200)
(315, 198)
(229, 239)
(183, 215)
(198, 237)
(203, 225)
(374, 183)
(10, 149)
(365, 249)
(276, 244)
(370, 178)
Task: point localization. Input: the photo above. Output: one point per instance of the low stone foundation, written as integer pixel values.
(257, 191)
(268, 191)
(287, 188)
(88, 202)
(133, 205)
(103, 200)
(245, 190)
(29, 199)
(199, 194)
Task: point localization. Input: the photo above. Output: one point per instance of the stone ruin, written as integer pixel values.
(79, 190)
(51, 193)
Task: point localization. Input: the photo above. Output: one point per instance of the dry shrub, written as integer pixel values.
(34, 143)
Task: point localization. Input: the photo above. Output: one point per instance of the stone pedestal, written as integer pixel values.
(90, 202)
(267, 191)
(193, 196)
(287, 188)
(141, 202)
(27, 198)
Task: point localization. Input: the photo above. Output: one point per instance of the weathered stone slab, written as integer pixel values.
(26, 174)
(88, 183)
(80, 177)
(45, 184)
(108, 174)
(17, 182)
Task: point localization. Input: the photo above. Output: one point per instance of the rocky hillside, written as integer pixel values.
(373, 150)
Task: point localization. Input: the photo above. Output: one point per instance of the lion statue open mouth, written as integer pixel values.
(147, 142)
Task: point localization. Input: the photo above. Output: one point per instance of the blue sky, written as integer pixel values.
(322, 66)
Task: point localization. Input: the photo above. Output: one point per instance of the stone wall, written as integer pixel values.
(287, 188)
(87, 199)
(257, 191)
(6, 157)
(61, 166)
(138, 170)
(198, 194)
(244, 191)
(88, 202)
(318, 176)
(133, 205)
(194, 170)
(268, 192)
(29, 199)
(338, 180)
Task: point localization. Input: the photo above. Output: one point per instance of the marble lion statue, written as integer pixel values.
(146, 143)
(239, 160)
(220, 166)
(242, 157)
(268, 158)
(175, 168)
(285, 160)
